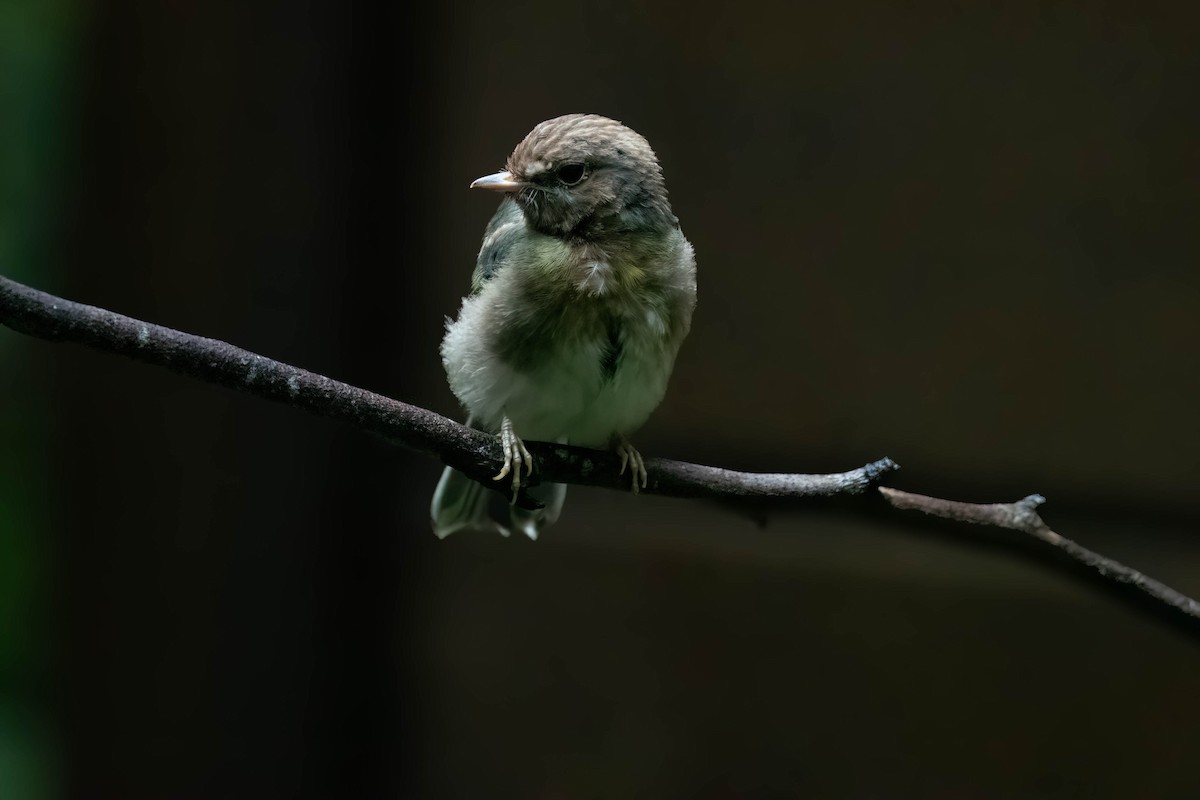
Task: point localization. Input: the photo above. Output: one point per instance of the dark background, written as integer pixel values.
(961, 236)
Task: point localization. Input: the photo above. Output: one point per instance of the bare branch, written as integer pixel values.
(1023, 516)
(474, 453)
(478, 455)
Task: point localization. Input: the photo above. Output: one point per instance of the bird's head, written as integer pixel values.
(582, 176)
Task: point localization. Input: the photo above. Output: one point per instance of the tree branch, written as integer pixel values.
(478, 455)
(1022, 516)
(472, 452)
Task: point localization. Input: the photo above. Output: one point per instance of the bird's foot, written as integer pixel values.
(514, 453)
(632, 459)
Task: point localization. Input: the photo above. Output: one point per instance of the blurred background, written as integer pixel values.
(963, 236)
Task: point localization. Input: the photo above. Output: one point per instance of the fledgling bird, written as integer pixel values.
(582, 294)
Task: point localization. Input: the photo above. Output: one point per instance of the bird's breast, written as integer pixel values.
(571, 345)
(602, 369)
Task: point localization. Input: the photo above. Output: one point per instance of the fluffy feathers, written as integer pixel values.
(582, 294)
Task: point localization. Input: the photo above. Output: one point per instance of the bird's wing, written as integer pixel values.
(505, 230)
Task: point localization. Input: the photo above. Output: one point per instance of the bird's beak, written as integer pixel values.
(500, 182)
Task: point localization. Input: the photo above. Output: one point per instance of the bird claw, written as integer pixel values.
(632, 459)
(514, 451)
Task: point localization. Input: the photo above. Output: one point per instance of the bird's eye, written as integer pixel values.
(571, 174)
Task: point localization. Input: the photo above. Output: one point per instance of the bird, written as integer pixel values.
(582, 294)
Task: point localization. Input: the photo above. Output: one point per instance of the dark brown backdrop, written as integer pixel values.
(962, 237)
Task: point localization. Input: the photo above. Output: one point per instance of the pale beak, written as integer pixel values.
(500, 182)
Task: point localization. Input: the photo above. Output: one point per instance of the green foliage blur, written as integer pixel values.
(38, 43)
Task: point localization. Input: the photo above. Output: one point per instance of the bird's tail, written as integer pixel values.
(460, 503)
(529, 522)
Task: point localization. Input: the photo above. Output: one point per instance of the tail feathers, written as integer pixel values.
(529, 523)
(460, 503)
